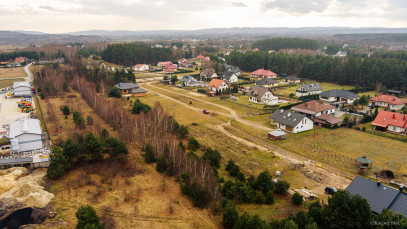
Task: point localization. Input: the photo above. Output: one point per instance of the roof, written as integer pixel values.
(139, 65)
(215, 83)
(277, 133)
(292, 78)
(187, 78)
(258, 91)
(395, 91)
(126, 86)
(391, 99)
(385, 118)
(327, 118)
(364, 160)
(230, 68)
(380, 196)
(339, 93)
(138, 90)
(164, 62)
(24, 126)
(19, 160)
(309, 87)
(287, 117)
(208, 72)
(262, 72)
(266, 81)
(228, 75)
(21, 84)
(173, 66)
(312, 107)
(200, 57)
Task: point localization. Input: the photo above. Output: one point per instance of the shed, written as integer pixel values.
(28, 134)
(138, 92)
(277, 135)
(363, 163)
(22, 88)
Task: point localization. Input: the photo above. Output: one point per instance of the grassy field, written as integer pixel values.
(340, 148)
(12, 73)
(325, 86)
(9, 83)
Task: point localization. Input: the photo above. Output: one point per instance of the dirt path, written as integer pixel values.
(232, 114)
(323, 175)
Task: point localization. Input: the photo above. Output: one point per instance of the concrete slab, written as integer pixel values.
(9, 111)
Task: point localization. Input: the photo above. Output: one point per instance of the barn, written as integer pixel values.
(25, 135)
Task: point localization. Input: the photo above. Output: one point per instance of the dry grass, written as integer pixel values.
(8, 83)
(12, 73)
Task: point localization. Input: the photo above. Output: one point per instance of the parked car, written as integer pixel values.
(205, 111)
(330, 190)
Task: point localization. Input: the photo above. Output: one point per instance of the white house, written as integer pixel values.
(218, 85)
(22, 88)
(291, 121)
(230, 77)
(208, 74)
(25, 135)
(189, 81)
(308, 89)
(337, 95)
(390, 101)
(141, 67)
(263, 95)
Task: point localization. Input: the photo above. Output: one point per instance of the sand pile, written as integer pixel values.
(28, 190)
(9, 177)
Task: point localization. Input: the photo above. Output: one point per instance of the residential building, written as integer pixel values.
(234, 69)
(230, 77)
(47, 62)
(170, 68)
(328, 120)
(163, 63)
(379, 196)
(126, 87)
(390, 121)
(340, 54)
(22, 88)
(19, 60)
(267, 82)
(25, 135)
(138, 92)
(291, 121)
(308, 89)
(200, 57)
(218, 85)
(261, 73)
(336, 95)
(189, 81)
(13, 65)
(390, 101)
(396, 92)
(314, 108)
(208, 74)
(292, 79)
(141, 67)
(263, 95)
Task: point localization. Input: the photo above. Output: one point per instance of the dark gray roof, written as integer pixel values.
(364, 160)
(287, 117)
(266, 81)
(138, 90)
(339, 93)
(19, 160)
(309, 87)
(395, 91)
(380, 196)
(126, 86)
(187, 78)
(230, 68)
(228, 75)
(292, 78)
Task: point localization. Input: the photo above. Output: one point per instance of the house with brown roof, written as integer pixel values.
(314, 108)
(208, 74)
(218, 85)
(328, 120)
(163, 63)
(261, 73)
(263, 95)
(390, 101)
(390, 121)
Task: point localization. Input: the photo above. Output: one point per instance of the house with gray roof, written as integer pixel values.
(292, 79)
(267, 82)
(189, 81)
(234, 69)
(291, 121)
(308, 89)
(379, 196)
(22, 88)
(230, 77)
(208, 74)
(25, 135)
(263, 95)
(126, 87)
(336, 95)
(138, 92)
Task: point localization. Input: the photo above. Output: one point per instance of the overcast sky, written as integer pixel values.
(60, 16)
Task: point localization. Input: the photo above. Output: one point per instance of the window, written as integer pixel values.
(394, 128)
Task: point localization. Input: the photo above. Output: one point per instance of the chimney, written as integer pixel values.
(379, 183)
(305, 104)
(401, 188)
(394, 116)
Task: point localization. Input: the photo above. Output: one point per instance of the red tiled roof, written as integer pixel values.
(169, 70)
(312, 107)
(138, 65)
(164, 63)
(262, 72)
(388, 99)
(215, 83)
(19, 60)
(171, 66)
(200, 57)
(385, 118)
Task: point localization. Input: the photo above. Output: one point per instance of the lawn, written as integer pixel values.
(6, 73)
(9, 83)
(291, 88)
(340, 147)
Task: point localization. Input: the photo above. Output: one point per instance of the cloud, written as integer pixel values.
(295, 6)
(46, 7)
(239, 4)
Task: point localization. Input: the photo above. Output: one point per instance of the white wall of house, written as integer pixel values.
(222, 87)
(22, 91)
(396, 129)
(29, 142)
(391, 106)
(304, 125)
(233, 79)
(144, 67)
(330, 111)
(269, 99)
(327, 99)
(305, 93)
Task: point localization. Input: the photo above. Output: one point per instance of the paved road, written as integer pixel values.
(29, 78)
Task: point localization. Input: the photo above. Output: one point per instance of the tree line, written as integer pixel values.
(286, 43)
(371, 72)
(12, 55)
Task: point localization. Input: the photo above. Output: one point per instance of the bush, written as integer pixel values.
(240, 177)
(87, 218)
(149, 156)
(264, 182)
(183, 131)
(234, 171)
(258, 198)
(193, 144)
(114, 92)
(297, 199)
(213, 156)
(269, 197)
(282, 187)
(199, 195)
(139, 106)
(42, 95)
(161, 165)
(230, 216)
(230, 165)
(66, 110)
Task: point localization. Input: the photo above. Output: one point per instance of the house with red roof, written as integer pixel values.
(261, 73)
(200, 57)
(217, 85)
(19, 60)
(390, 101)
(163, 63)
(141, 67)
(170, 68)
(390, 121)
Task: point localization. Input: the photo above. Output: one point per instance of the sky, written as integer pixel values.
(62, 16)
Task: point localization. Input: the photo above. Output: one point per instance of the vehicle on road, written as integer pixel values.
(330, 190)
(205, 111)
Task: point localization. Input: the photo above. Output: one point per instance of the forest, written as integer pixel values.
(286, 43)
(12, 55)
(371, 72)
(130, 54)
